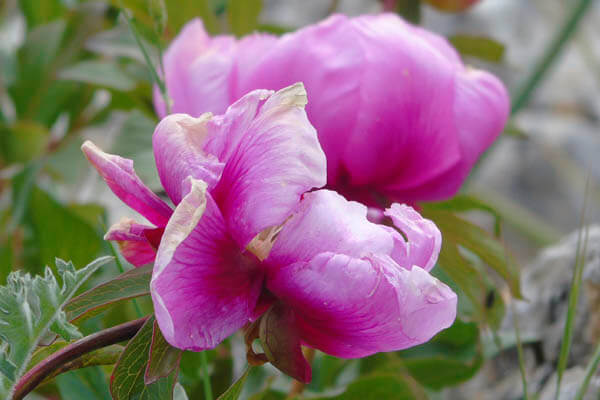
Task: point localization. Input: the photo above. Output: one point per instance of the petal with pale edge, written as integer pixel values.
(133, 241)
(120, 176)
(258, 158)
(203, 287)
(424, 239)
(325, 221)
(350, 307)
(178, 143)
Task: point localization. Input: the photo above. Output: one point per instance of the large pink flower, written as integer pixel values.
(263, 150)
(398, 114)
(353, 288)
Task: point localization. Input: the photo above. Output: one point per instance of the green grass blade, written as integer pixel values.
(562, 37)
(520, 351)
(565, 347)
(589, 371)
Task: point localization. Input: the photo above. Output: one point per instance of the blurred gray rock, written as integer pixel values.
(546, 283)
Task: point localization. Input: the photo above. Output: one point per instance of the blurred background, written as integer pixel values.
(72, 70)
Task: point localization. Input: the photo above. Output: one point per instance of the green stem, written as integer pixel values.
(155, 77)
(45, 368)
(205, 377)
(524, 92)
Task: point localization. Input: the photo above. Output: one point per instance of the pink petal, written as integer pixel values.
(270, 161)
(350, 307)
(197, 70)
(133, 242)
(263, 152)
(120, 176)
(404, 133)
(325, 221)
(326, 59)
(178, 143)
(424, 238)
(482, 108)
(203, 287)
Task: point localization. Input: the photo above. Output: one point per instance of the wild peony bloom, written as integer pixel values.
(344, 285)
(399, 116)
(263, 147)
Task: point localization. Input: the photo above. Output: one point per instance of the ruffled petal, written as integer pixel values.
(203, 287)
(351, 308)
(178, 143)
(424, 239)
(271, 155)
(133, 241)
(120, 176)
(325, 221)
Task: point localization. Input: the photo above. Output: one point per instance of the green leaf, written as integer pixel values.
(234, 391)
(452, 357)
(61, 232)
(281, 342)
(100, 73)
(470, 236)
(89, 383)
(462, 203)
(243, 15)
(131, 284)
(40, 12)
(477, 46)
(22, 141)
(30, 306)
(410, 10)
(164, 358)
(180, 12)
(375, 387)
(135, 142)
(127, 380)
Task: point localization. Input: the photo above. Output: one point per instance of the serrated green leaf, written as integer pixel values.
(127, 381)
(473, 238)
(243, 15)
(164, 358)
(30, 306)
(100, 73)
(234, 391)
(484, 48)
(131, 284)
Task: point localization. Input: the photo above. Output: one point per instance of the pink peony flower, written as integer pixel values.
(246, 236)
(263, 147)
(398, 114)
(352, 287)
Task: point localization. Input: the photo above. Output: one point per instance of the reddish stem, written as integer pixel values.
(95, 341)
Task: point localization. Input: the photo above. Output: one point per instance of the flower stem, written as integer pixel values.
(524, 92)
(205, 377)
(45, 368)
